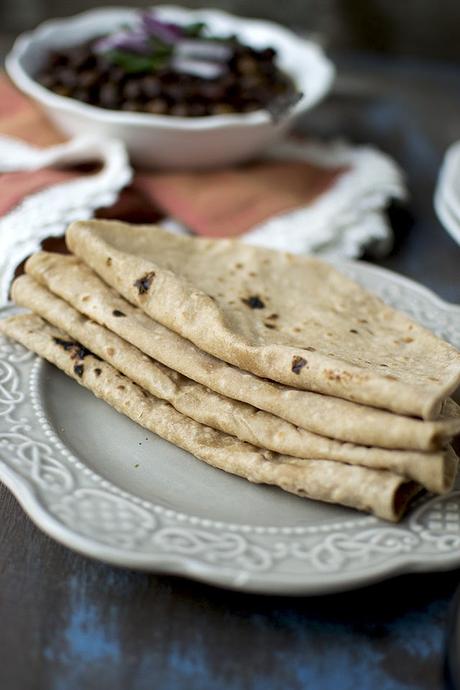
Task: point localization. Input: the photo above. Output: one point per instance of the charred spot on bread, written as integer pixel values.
(254, 302)
(298, 364)
(143, 284)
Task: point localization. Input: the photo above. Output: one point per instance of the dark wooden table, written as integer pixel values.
(70, 623)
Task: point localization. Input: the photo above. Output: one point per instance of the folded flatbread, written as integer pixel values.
(292, 319)
(434, 471)
(69, 278)
(378, 491)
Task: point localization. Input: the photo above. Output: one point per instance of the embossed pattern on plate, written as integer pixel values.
(103, 486)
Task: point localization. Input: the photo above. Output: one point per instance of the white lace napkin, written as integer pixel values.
(47, 212)
(344, 221)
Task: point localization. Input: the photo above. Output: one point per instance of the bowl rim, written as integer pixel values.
(28, 84)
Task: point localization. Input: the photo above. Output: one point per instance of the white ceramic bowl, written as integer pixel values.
(162, 140)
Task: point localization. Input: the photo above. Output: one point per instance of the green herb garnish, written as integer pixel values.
(135, 64)
(194, 30)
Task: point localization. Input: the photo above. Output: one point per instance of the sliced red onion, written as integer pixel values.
(197, 68)
(203, 50)
(166, 32)
(134, 40)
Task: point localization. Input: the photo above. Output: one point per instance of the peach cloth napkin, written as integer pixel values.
(224, 203)
(218, 203)
(22, 118)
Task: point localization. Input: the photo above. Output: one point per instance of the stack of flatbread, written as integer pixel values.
(273, 367)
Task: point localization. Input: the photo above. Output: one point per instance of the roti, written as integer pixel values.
(435, 471)
(378, 491)
(292, 319)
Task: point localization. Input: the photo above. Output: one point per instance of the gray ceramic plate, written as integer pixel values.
(98, 483)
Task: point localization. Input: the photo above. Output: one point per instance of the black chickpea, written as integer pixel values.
(247, 80)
